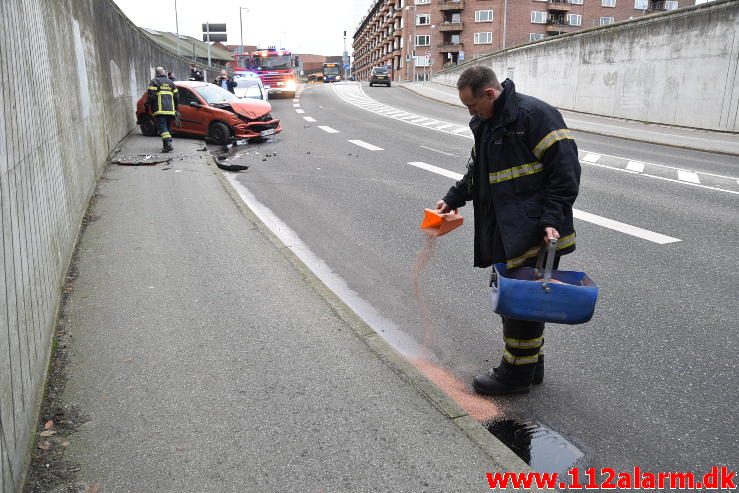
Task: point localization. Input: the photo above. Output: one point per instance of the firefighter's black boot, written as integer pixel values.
(538, 371)
(506, 379)
(167, 146)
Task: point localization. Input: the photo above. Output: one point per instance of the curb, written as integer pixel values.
(482, 438)
(604, 134)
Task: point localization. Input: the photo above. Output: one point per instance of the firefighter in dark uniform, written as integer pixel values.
(163, 99)
(522, 177)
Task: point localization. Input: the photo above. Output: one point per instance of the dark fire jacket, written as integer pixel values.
(523, 175)
(163, 97)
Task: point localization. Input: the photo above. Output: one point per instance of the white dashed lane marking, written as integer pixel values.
(436, 150)
(367, 146)
(328, 129)
(437, 170)
(298, 110)
(309, 119)
(628, 229)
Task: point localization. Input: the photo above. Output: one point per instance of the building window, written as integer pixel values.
(423, 40)
(483, 38)
(421, 61)
(422, 2)
(536, 36)
(483, 16)
(604, 21)
(574, 19)
(671, 5)
(608, 3)
(423, 19)
(538, 17)
(641, 4)
(576, 2)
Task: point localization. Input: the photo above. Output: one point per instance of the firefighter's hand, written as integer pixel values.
(442, 207)
(550, 234)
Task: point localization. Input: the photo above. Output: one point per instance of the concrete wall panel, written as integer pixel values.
(678, 68)
(63, 110)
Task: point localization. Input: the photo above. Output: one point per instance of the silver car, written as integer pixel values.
(250, 88)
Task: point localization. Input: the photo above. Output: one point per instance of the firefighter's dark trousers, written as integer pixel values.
(164, 124)
(524, 340)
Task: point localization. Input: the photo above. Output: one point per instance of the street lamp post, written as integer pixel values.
(413, 51)
(241, 27)
(177, 27)
(505, 22)
(431, 50)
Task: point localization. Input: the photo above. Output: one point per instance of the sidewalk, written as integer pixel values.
(208, 358)
(686, 138)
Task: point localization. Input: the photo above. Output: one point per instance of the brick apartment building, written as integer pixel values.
(452, 31)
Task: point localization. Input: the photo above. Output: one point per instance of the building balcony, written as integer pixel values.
(447, 5)
(451, 27)
(559, 6)
(450, 47)
(396, 52)
(398, 33)
(660, 6)
(398, 13)
(559, 27)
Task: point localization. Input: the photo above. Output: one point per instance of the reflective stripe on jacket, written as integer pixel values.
(523, 175)
(163, 96)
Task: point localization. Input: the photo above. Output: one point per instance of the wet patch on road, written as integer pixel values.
(542, 448)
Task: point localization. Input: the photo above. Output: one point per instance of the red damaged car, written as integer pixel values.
(212, 112)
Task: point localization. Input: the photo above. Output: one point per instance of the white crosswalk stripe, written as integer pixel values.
(637, 166)
(689, 176)
(355, 95)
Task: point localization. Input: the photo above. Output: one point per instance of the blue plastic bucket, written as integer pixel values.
(526, 294)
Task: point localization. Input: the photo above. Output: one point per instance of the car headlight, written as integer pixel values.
(290, 85)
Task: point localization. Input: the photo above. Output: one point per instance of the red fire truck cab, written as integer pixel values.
(274, 67)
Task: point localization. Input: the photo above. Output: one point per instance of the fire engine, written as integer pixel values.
(275, 68)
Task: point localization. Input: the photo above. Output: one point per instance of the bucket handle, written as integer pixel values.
(551, 252)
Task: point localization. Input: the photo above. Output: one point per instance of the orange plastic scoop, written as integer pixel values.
(437, 224)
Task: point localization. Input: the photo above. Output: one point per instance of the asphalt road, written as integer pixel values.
(651, 381)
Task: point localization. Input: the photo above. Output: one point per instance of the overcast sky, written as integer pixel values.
(303, 26)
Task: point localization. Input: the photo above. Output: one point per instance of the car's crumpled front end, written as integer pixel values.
(252, 119)
(263, 126)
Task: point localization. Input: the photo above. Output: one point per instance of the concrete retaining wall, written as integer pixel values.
(678, 68)
(71, 72)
